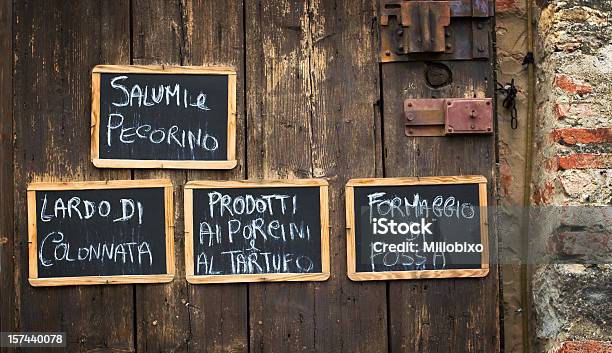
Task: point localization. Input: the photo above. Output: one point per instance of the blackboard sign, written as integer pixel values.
(163, 117)
(100, 232)
(408, 228)
(244, 231)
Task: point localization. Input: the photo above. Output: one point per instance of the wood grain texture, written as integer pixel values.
(93, 280)
(8, 309)
(162, 164)
(312, 90)
(447, 314)
(162, 311)
(214, 35)
(165, 69)
(56, 45)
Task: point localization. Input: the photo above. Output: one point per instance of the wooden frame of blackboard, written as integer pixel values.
(392, 275)
(231, 161)
(96, 185)
(270, 277)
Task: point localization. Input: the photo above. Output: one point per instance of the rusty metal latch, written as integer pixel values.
(448, 116)
(417, 30)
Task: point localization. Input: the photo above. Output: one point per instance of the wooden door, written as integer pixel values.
(313, 101)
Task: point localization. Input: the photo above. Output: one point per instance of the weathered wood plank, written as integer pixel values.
(179, 317)
(279, 135)
(8, 310)
(214, 35)
(440, 315)
(312, 85)
(162, 314)
(56, 45)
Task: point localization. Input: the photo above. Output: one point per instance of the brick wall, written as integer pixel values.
(573, 170)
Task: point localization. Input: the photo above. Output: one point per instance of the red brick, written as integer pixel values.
(505, 5)
(543, 196)
(564, 110)
(572, 85)
(505, 177)
(551, 164)
(584, 347)
(585, 161)
(574, 136)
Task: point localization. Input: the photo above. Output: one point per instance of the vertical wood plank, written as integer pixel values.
(215, 36)
(177, 316)
(162, 312)
(451, 314)
(312, 86)
(56, 45)
(7, 278)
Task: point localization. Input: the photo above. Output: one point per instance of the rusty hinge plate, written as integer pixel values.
(414, 30)
(448, 116)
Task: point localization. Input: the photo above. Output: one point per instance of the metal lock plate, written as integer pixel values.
(424, 117)
(416, 30)
(448, 116)
(469, 116)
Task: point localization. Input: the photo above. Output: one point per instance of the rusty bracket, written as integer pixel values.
(448, 116)
(413, 30)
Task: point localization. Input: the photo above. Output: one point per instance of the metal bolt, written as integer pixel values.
(473, 114)
(410, 131)
(409, 104)
(387, 52)
(447, 34)
(479, 25)
(400, 32)
(450, 129)
(472, 127)
(448, 46)
(449, 103)
(481, 48)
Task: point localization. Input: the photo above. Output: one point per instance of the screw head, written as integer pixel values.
(409, 104)
(387, 52)
(479, 25)
(472, 127)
